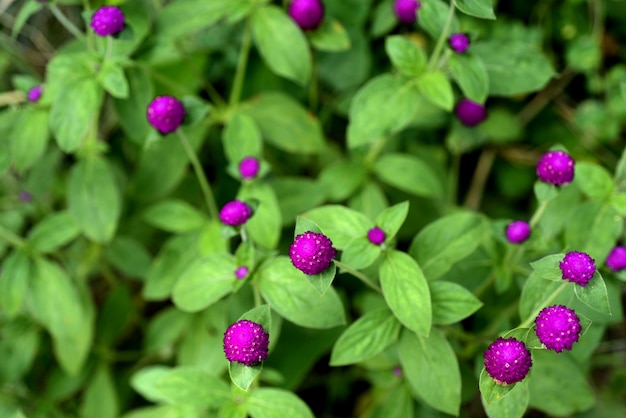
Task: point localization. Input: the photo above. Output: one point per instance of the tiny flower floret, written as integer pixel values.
(517, 232)
(507, 361)
(241, 272)
(235, 213)
(34, 94)
(376, 236)
(308, 14)
(166, 114)
(312, 253)
(616, 260)
(577, 267)
(406, 10)
(470, 113)
(249, 167)
(556, 167)
(107, 20)
(246, 342)
(459, 42)
(557, 327)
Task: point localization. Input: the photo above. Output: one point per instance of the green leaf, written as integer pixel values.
(584, 54)
(408, 173)
(241, 138)
(304, 225)
(190, 386)
(14, 282)
(446, 241)
(352, 174)
(28, 9)
(188, 16)
(204, 282)
(297, 195)
(476, 8)
(360, 253)
(112, 78)
(339, 223)
(501, 126)
(322, 281)
(452, 302)
(405, 55)
(129, 256)
(536, 293)
(544, 191)
(272, 403)
(406, 291)
(470, 74)
(288, 293)
(165, 329)
(330, 36)
(19, 346)
(281, 44)
(432, 369)
(391, 219)
(285, 123)
(174, 216)
(132, 110)
(596, 216)
(264, 226)
(491, 392)
(548, 267)
(366, 337)
(29, 137)
(384, 19)
(243, 376)
(100, 399)
(400, 403)
(433, 15)
(142, 381)
(593, 180)
(594, 295)
(53, 231)
(436, 88)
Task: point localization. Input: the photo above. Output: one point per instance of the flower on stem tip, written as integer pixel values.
(34, 94)
(616, 260)
(517, 232)
(312, 253)
(557, 327)
(246, 342)
(470, 113)
(235, 213)
(406, 10)
(308, 14)
(376, 236)
(166, 114)
(241, 272)
(507, 361)
(556, 167)
(249, 167)
(459, 42)
(577, 267)
(107, 20)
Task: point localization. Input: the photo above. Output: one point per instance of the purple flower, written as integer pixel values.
(249, 167)
(246, 342)
(25, 196)
(470, 113)
(308, 14)
(235, 213)
(397, 371)
(166, 114)
(241, 272)
(507, 361)
(107, 20)
(577, 267)
(34, 94)
(517, 232)
(376, 235)
(557, 327)
(616, 260)
(459, 42)
(406, 10)
(556, 167)
(312, 253)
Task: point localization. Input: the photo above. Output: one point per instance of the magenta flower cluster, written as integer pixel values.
(308, 14)
(34, 94)
(470, 113)
(459, 42)
(376, 236)
(166, 114)
(249, 167)
(312, 253)
(556, 167)
(406, 10)
(557, 327)
(616, 260)
(235, 213)
(107, 20)
(507, 361)
(517, 232)
(577, 267)
(246, 342)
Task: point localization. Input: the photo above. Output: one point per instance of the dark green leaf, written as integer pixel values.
(405, 55)
(391, 219)
(188, 16)
(296, 195)
(14, 282)
(100, 399)
(548, 267)
(174, 216)
(452, 302)
(410, 174)
(272, 403)
(53, 231)
(129, 256)
(132, 110)
(191, 386)
(165, 328)
(384, 19)
(351, 173)
(340, 223)
(330, 36)
(471, 75)
(436, 88)
(477, 8)
(19, 346)
(594, 294)
(596, 216)
(433, 15)
(28, 9)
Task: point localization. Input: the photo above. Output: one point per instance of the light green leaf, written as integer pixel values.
(339, 223)
(272, 403)
(391, 219)
(100, 399)
(593, 180)
(491, 392)
(183, 17)
(191, 386)
(132, 110)
(174, 216)
(29, 137)
(596, 216)
(548, 267)
(241, 138)
(406, 55)
(433, 15)
(330, 36)
(470, 74)
(408, 173)
(594, 294)
(264, 226)
(452, 302)
(436, 88)
(53, 231)
(360, 253)
(112, 78)
(477, 8)
(352, 174)
(14, 282)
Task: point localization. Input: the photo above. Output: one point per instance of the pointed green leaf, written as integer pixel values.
(174, 216)
(405, 55)
(360, 253)
(272, 403)
(410, 174)
(330, 36)
(112, 78)
(476, 8)
(241, 138)
(29, 137)
(548, 267)
(391, 219)
(339, 223)
(264, 226)
(470, 74)
(492, 392)
(452, 302)
(436, 88)
(190, 386)
(14, 282)
(53, 231)
(595, 294)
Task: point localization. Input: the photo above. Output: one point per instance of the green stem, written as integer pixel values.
(257, 294)
(313, 86)
(434, 58)
(453, 180)
(67, 23)
(375, 149)
(362, 277)
(109, 49)
(545, 303)
(542, 207)
(204, 184)
(235, 94)
(12, 238)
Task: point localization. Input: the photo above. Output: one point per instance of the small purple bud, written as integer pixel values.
(235, 213)
(107, 20)
(556, 167)
(165, 114)
(577, 267)
(34, 94)
(376, 235)
(557, 327)
(406, 10)
(517, 232)
(241, 272)
(246, 342)
(249, 167)
(459, 42)
(507, 361)
(470, 113)
(25, 196)
(312, 253)
(308, 14)
(397, 371)
(616, 260)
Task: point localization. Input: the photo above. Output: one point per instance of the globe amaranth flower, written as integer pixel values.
(246, 342)
(577, 267)
(616, 260)
(556, 167)
(470, 113)
(406, 10)
(235, 213)
(459, 42)
(507, 361)
(308, 14)
(557, 327)
(312, 253)
(107, 20)
(376, 236)
(517, 232)
(34, 94)
(166, 114)
(249, 167)
(241, 272)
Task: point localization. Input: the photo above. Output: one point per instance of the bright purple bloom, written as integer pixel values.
(577, 267)
(616, 260)
(406, 10)
(34, 94)
(470, 113)
(557, 327)
(517, 232)
(246, 342)
(459, 42)
(166, 114)
(376, 235)
(556, 167)
(312, 253)
(249, 167)
(241, 272)
(308, 14)
(507, 361)
(107, 20)
(235, 213)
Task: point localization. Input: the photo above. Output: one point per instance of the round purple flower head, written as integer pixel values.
(406, 10)
(249, 167)
(34, 94)
(557, 327)
(459, 42)
(577, 267)
(312, 253)
(241, 272)
(308, 14)
(235, 213)
(556, 167)
(166, 114)
(616, 260)
(376, 235)
(470, 113)
(507, 361)
(517, 232)
(246, 342)
(107, 20)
